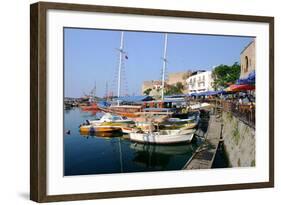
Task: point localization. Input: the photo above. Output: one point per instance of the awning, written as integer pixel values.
(134, 99)
(238, 88)
(218, 92)
(250, 79)
(207, 93)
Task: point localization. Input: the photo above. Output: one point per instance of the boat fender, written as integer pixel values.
(87, 122)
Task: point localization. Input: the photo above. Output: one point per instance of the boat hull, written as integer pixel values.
(93, 129)
(92, 107)
(164, 137)
(122, 113)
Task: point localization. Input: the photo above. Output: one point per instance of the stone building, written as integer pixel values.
(176, 77)
(248, 59)
(172, 79)
(152, 84)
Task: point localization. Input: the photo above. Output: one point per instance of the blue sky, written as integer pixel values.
(91, 56)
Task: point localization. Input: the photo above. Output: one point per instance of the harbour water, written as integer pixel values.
(85, 154)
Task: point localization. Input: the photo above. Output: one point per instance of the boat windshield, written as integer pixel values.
(110, 117)
(116, 118)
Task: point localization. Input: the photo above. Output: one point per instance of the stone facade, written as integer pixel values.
(239, 141)
(175, 77)
(152, 84)
(248, 59)
(172, 79)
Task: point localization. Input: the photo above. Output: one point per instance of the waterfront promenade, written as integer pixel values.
(204, 156)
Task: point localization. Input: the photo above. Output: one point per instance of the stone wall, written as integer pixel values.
(175, 77)
(248, 59)
(239, 141)
(152, 84)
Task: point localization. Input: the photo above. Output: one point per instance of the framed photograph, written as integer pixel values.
(136, 102)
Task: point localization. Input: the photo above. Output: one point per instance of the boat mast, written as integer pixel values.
(164, 65)
(92, 93)
(121, 52)
(95, 91)
(106, 91)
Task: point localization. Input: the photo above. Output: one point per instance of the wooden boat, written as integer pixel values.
(166, 130)
(123, 110)
(147, 121)
(139, 127)
(177, 123)
(92, 107)
(164, 136)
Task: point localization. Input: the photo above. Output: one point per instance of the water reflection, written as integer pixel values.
(157, 157)
(105, 153)
(162, 149)
(101, 134)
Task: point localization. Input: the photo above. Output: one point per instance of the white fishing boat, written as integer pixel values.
(164, 136)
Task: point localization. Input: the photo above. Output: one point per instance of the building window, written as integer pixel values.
(246, 64)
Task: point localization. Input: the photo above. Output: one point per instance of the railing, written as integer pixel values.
(244, 112)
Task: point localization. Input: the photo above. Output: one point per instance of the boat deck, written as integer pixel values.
(204, 156)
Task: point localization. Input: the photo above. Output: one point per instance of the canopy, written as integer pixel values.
(238, 88)
(218, 92)
(250, 79)
(193, 94)
(208, 93)
(157, 109)
(134, 99)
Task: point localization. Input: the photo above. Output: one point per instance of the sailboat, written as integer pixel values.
(123, 110)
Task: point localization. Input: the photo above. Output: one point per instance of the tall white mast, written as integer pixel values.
(120, 64)
(164, 65)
